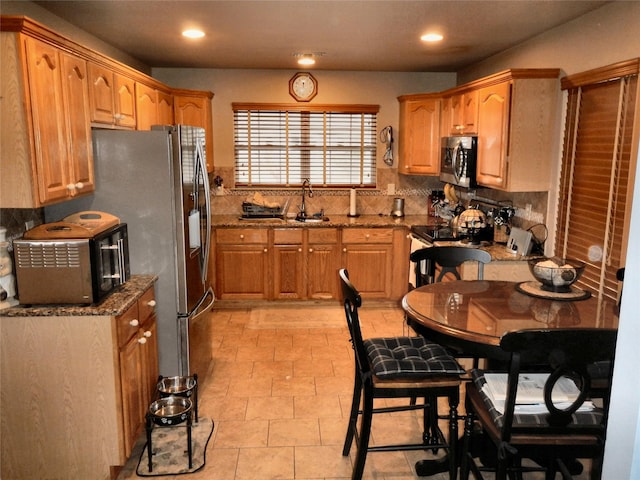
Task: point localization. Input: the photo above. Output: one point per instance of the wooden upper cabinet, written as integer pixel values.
(112, 97)
(75, 90)
(193, 108)
(493, 118)
(419, 145)
(517, 121)
(47, 156)
(146, 106)
(45, 92)
(153, 107)
(165, 108)
(463, 115)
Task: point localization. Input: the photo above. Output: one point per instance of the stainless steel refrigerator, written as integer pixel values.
(156, 181)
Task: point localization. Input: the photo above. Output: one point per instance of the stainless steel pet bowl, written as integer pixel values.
(180, 386)
(170, 410)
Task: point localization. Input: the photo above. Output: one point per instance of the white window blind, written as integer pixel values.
(281, 145)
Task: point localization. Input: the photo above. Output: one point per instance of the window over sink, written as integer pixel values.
(281, 145)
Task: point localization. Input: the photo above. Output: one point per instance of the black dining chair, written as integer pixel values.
(448, 259)
(550, 433)
(397, 367)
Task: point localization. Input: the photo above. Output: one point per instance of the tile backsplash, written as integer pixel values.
(15, 220)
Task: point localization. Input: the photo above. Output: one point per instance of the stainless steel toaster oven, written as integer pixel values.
(71, 270)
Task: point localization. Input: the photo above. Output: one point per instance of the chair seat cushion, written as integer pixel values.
(592, 417)
(409, 357)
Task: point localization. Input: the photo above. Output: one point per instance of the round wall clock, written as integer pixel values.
(303, 87)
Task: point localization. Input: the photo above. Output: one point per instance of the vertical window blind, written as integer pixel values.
(281, 145)
(595, 173)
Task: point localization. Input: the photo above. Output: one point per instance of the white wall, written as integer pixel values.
(272, 86)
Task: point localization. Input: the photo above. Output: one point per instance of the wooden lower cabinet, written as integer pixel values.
(323, 263)
(74, 391)
(303, 263)
(367, 255)
(242, 263)
(288, 264)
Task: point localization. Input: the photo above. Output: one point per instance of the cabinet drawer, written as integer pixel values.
(146, 305)
(367, 235)
(323, 235)
(241, 235)
(287, 236)
(127, 324)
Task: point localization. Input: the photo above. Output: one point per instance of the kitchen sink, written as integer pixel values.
(309, 220)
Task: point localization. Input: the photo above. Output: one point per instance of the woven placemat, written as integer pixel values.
(534, 289)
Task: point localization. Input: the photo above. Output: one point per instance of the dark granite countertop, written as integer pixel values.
(370, 221)
(498, 251)
(115, 304)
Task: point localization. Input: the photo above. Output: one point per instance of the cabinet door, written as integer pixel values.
(75, 90)
(196, 111)
(420, 137)
(149, 358)
(241, 271)
(322, 266)
(146, 107)
(288, 272)
(464, 113)
(493, 122)
(165, 108)
(125, 101)
(101, 94)
(370, 268)
(133, 401)
(47, 110)
(470, 112)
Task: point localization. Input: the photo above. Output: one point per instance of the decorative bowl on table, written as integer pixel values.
(170, 410)
(180, 386)
(556, 274)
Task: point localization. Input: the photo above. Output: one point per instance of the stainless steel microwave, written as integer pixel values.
(458, 160)
(71, 270)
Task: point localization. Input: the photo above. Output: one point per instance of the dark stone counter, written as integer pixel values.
(115, 304)
(343, 221)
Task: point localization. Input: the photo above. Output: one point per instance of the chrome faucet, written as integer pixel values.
(302, 215)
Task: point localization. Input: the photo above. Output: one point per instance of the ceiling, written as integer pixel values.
(373, 35)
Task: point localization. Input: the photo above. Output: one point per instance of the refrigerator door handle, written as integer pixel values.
(208, 298)
(207, 202)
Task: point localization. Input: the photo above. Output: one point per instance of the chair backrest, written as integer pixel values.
(352, 301)
(563, 352)
(449, 259)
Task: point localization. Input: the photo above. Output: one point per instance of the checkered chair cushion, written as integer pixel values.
(409, 357)
(594, 417)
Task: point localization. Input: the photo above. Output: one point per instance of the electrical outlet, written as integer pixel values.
(28, 225)
(391, 189)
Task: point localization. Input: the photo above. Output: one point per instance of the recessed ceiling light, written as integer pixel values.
(193, 33)
(306, 60)
(431, 37)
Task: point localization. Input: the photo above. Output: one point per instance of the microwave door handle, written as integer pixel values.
(121, 262)
(454, 162)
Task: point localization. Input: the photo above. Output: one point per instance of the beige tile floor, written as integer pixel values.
(279, 391)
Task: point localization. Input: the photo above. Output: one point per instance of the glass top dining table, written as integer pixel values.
(470, 317)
